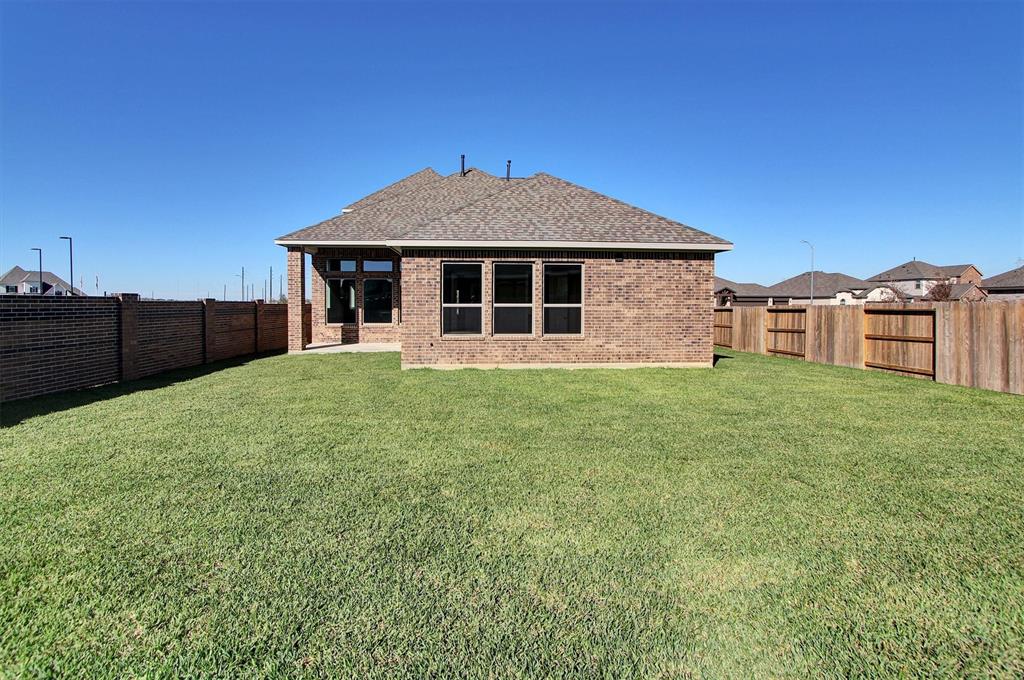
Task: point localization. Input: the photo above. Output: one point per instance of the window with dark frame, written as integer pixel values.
(335, 264)
(378, 265)
(341, 300)
(563, 299)
(461, 298)
(512, 298)
(377, 303)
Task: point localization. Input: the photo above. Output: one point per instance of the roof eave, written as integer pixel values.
(537, 245)
(559, 245)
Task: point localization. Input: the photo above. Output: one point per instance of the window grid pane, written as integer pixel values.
(377, 301)
(341, 301)
(461, 299)
(378, 265)
(563, 299)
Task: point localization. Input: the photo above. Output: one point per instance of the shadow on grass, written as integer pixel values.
(14, 412)
(718, 357)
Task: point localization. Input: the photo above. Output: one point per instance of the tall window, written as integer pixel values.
(513, 298)
(337, 265)
(377, 301)
(461, 298)
(563, 299)
(341, 301)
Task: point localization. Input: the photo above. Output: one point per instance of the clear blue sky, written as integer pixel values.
(175, 141)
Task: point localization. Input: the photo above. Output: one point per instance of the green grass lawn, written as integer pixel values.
(332, 515)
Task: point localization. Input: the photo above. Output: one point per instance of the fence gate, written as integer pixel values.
(900, 340)
(723, 327)
(786, 331)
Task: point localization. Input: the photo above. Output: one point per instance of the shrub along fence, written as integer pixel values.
(976, 345)
(52, 344)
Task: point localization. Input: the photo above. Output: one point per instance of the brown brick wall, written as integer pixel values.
(235, 324)
(648, 308)
(55, 344)
(358, 332)
(170, 335)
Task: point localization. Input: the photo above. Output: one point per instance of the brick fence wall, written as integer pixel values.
(53, 344)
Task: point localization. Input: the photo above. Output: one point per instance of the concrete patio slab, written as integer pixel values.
(334, 347)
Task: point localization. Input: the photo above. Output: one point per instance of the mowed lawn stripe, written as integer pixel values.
(332, 514)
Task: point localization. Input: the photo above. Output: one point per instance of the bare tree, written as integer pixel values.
(941, 292)
(890, 293)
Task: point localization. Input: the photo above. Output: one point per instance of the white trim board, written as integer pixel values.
(518, 245)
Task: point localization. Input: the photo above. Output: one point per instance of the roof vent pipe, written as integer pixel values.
(462, 172)
(508, 170)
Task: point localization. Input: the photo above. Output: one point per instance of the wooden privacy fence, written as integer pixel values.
(52, 344)
(976, 345)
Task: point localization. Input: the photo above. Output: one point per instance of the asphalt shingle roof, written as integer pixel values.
(742, 289)
(481, 207)
(919, 269)
(18, 275)
(1011, 279)
(826, 284)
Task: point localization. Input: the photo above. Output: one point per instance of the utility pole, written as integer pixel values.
(280, 284)
(271, 298)
(71, 260)
(812, 269)
(40, 269)
(225, 298)
(243, 284)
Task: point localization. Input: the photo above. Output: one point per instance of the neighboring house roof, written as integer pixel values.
(16, 275)
(741, 289)
(1011, 279)
(826, 284)
(13, 277)
(427, 209)
(919, 269)
(958, 291)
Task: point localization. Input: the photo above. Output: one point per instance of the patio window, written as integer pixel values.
(378, 265)
(341, 301)
(563, 299)
(513, 298)
(461, 298)
(338, 265)
(11, 289)
(377, 301)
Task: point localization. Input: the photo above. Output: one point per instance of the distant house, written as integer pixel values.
(830, 288)
(1006, 286)
(18, 281)
(916, 278)
(731, 294)
(959, 292)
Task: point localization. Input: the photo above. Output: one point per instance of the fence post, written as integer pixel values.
(209, 329)
(261, 340)
(129, 305)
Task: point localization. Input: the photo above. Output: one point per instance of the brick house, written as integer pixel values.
(471, 269)
(916, 278)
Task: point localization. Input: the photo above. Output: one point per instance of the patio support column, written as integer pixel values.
(296, 299)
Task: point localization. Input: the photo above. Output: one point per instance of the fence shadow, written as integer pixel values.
(14, 412)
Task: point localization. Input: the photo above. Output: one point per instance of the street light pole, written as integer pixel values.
(812, 269)
(40, 269)
(71, 260)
